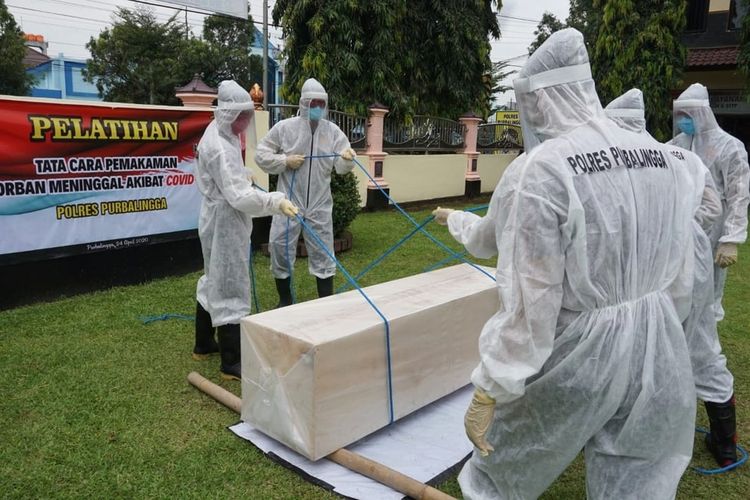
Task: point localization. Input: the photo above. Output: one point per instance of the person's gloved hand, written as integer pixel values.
(288, 208)
(295, 161)
(726, 254)
(441, 215)
(348, 154)
(478, 420)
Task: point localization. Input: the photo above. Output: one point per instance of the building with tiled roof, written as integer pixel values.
(34, 58)
(59, 77)
(712, 38)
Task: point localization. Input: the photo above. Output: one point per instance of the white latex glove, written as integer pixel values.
(348, 154)
(726, 254)
(441, 215)
(288, 208)
(478, 420)
(295, 161)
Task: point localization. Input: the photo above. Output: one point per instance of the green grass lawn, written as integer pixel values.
(96, 405)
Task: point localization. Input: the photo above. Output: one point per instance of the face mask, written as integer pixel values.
(241, 123)
(316, 114)
(686, 125)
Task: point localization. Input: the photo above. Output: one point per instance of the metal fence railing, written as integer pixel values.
(496, 137)
(352, 125)
(278, 112)
(424, 134)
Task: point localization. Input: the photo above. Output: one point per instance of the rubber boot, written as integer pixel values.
(205, 344)
(229, 344)
(325, 286)
(722, 440)
(284, 287)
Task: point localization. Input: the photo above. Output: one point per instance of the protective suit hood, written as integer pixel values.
(555, 91)
(233, 100)
(694, 102)
(628, 111)
(311, 89)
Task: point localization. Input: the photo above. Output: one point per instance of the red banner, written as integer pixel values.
(94, 176)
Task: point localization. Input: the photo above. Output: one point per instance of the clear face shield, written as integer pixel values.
(685, 114)
(633, 120)
(313, 106)
(526, 88)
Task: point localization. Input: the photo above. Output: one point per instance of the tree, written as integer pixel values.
(500, 73)
(140, 60)
(13, 77)
(638, 45)
(548, 25)
(743, 61)
(584, 17)
(449, 49)
(418, 56)
(229, 41)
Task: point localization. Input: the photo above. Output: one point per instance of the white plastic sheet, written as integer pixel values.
(423, 446)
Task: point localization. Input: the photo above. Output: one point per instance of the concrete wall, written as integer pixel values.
(362, 179)
(423, 177)
(718, 5)
(261, 129)
(62, 79)
(715, 80)
(491, 168)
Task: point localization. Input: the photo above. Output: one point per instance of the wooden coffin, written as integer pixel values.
(315, 376)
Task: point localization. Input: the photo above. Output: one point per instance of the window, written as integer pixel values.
(697, 15)
(737, 11)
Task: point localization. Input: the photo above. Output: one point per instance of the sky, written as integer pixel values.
(69, 24)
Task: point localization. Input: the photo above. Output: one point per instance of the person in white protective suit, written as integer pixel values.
(229, 202)
(714, 382)
(592, 228)
(696, 130)
(289, 150)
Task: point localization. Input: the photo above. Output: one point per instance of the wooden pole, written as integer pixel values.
(345, 458)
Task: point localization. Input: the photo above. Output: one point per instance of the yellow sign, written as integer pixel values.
(508, 117)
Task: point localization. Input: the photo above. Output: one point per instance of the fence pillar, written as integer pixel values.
(375, 126)
(196, 93)
(473, 182)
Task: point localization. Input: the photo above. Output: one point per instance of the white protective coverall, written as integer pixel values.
(229, 203)
(628, 111)
(312, 182)
(593, 230)
(713, 380)
(726, 159)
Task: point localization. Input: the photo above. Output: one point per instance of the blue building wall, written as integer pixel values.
(62, 79)
(275, 73)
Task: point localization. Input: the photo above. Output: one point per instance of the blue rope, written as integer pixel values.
(721, 470)
(377, 261)
(416, 224)
(442, 262)
(252, 283)
(332, 155)
(349, 277)
(163, 317)
(478, 208)
(451, 258)
(288, 259)
(406, 238)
